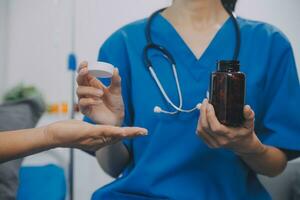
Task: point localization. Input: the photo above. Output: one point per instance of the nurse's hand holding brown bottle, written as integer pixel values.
(263, 159)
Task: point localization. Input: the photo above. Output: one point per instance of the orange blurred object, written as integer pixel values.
(54, 108)
(64, 108)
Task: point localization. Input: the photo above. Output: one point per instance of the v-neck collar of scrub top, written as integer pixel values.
(173, 42)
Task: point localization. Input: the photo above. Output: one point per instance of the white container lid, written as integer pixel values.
(101, 70)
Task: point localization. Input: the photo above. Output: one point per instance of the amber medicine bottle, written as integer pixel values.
(227, 92)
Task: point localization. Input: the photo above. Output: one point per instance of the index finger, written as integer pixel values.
(83, 64)
(85, 79)
(83, 76)
(121, 132)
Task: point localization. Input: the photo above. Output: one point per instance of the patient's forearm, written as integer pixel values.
(113, 158)
(16, 144)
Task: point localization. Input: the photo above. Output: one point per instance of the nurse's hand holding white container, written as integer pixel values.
(103, 105)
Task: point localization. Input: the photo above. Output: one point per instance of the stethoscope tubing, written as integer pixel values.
(151, 45)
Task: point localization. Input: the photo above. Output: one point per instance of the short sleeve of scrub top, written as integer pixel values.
(172, 162)
(278, 124)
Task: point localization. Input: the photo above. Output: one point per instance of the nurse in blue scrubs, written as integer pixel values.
(191, 155)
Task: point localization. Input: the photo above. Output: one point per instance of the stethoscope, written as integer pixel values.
(151, 45)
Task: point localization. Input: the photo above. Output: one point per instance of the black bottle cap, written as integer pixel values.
(228, 65)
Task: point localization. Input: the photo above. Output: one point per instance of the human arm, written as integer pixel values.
(71, 133)
(262, 159)
(113, 167)
(106, 108)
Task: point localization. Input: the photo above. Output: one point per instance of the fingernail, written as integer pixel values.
(209, 108)
(99, 92)
(82, 71)
(199, 106)
(143, 133)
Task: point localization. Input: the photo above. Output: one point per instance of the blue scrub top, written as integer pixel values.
(172, 162)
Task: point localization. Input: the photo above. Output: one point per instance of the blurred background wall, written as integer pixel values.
(282, 14)
(3, 43)
(36, 37)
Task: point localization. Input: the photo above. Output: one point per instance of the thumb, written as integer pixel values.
(115, 86)
(249, 117)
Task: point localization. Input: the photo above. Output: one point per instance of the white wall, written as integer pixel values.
(283, 14)
(40, 39)
(3, 40)
(39, 42)
(40, 34)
